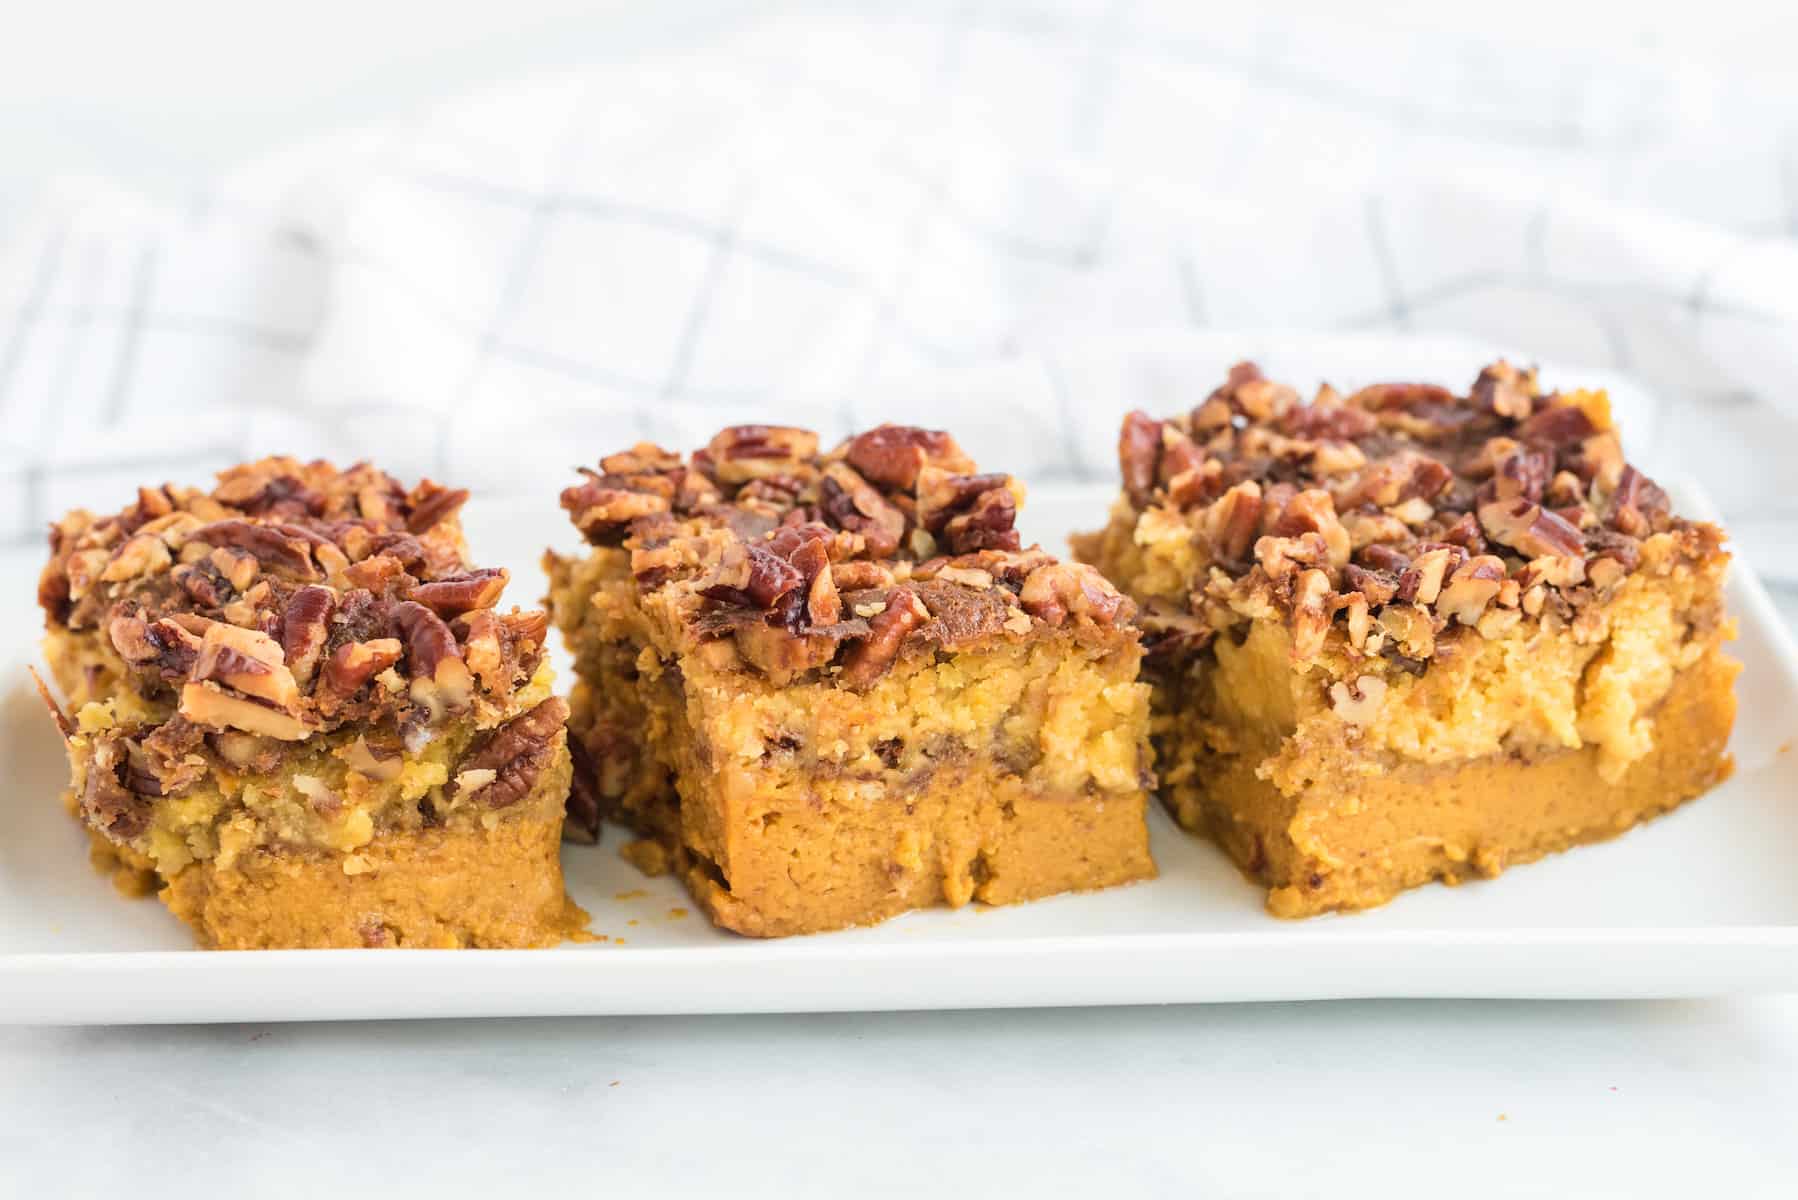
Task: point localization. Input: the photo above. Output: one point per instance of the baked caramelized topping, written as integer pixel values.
(835, 561)
(293, 598)
(1381, 520)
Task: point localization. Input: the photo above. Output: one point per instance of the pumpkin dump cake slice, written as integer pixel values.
(1406, 635)
(296, 711)
(828, 688)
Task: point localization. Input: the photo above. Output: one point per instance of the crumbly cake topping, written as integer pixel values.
(294, 598)
(837, 561)
(1396, 513)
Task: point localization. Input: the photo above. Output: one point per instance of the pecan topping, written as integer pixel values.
(887, 630)
(1423, 507)
(440, 678)
(1422, 580)
(754, 577)
(968, 512)
(453, 595)
(851, 503)
(204, 704)
(283, 548)
(1474, 585)
(746, 452)
(514, 755)
(233, 602)
(1139, 456)
(1057, 591)
(246, 661)
(145, 554)
(1557, 425)
(1505, 390)
(892, 455)
(304, 627)
(602, 511)
(1636, 504)
(432, 505)
(1230, 525)
(1310, 614)
(352, 665)
(1529, 528)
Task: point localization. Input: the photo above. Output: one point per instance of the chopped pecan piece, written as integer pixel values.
(305, 624)
(1139, 456)
(851, 502)
(746, 452)
(515, 754)
(1557, 425)
(204, 704)
(968, 512)
(283, 548)
(1247, 391)
(1313, 511)
(1523, 473)
(645, 458)
(1529, 528)
(858, 574)
(1056, 591)
(752, 576)
(167, 647)
(1377, 586)
(892, 455)
(453, 595)
(1230, 524)
(1637, 504)
(247, 661)
(1422, 580)
(432, 504)
(1391, 397)
(603, 512)
(871, 658)
(1505, 391)
(1474, 585)
(352, 665)
(1311, 611)
(140, 556)
(440, 678)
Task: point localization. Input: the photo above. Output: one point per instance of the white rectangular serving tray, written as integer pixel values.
(1703, 902)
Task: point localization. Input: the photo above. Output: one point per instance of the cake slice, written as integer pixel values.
(1408, 635)
(827, 688)
(296, 712)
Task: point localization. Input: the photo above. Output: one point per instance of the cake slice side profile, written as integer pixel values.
(1408, 635)
(298, 715)
(827, 688)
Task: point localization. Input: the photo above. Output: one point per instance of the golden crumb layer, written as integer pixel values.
(333, 792)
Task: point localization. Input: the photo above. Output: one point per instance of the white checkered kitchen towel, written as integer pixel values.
(944, 218)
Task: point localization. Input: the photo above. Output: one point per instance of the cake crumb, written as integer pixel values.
(675, 914)
(633, 894)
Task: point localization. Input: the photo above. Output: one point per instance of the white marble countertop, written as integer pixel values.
(1347, 1099)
